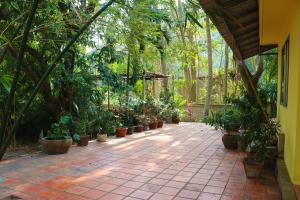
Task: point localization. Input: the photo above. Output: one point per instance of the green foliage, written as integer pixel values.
(258, 132)
(61, 128)
(108, 122)
(152, 106)
(227, 119)
(149, 31)
(258, 140)
(5, 82)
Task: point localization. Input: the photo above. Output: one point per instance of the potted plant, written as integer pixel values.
(228, 121)
(58, 140)
(254, 159)
(153, 123)
(161, 116)
(80, 135)
(138, 121)
(128, 121)
(175, 115)
(121, 131)
(258, 151)
(108, 123)
(145, 121)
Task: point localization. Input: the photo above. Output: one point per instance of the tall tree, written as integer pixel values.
(226, 69)
(210, 70)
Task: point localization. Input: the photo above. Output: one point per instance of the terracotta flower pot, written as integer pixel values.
(84, 140)
(102, 137)
(56, 146)
(253, 169)
(121, 132)
(230, 141)
(138, 128)
(153, 125)
(176, 120)
(160, 124)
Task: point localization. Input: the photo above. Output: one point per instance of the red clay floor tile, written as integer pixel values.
(140, 167)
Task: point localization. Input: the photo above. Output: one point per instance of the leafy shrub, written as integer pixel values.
(61, 129)
(108, 122)
(227, 119)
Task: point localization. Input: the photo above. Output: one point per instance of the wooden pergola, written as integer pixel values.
(145, 76)
(148, 76)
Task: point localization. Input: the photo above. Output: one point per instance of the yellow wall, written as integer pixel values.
(287, 23)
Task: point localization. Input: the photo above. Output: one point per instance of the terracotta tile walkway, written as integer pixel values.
(186, 161)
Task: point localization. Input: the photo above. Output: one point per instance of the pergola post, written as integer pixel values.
(143, 81)
(108, 97)
(173, 87)
(127, 82)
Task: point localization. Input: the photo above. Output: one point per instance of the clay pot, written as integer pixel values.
(130, 130)
(56, 146)
(102, 137)
(138, 128)
(176, 120)
(121, 132)
(84, 140)
(160, 124)
(253, 169)
(153, 125)
(230, 141)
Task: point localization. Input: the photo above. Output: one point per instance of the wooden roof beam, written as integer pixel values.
(247, 35)
(229, 36)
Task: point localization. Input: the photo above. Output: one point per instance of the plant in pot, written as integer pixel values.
(145, 122)
(258, 151)
(255, 154)
(138, 124)
(108, 123)
(153, 122)
(230, 127)
(153, 108)
(228, 121)
(175, 115)
(141, 121)
(121, 130)
(161, 116)
(128, 121)
(58, 140)
(80, 135)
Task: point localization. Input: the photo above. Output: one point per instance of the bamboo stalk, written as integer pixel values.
(9, 101)
(47, 73)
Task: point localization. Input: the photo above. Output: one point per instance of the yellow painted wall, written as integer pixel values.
(278, 20)
(289, 116)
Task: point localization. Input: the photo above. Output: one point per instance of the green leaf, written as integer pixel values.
(6, 81)
(193, 19)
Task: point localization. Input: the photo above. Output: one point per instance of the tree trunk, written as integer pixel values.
(226, 70)
(210, 70)
(192, 96)
(251, 81)
(164, 69)
(66, 93)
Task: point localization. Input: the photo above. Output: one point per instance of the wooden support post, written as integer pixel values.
(108, 97)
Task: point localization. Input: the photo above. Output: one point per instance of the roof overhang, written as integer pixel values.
(238, 23)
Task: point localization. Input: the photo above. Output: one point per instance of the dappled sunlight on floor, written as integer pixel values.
(185, 161)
